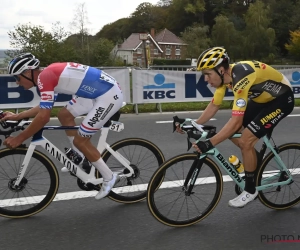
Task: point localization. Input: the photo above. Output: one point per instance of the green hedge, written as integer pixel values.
(171, 62)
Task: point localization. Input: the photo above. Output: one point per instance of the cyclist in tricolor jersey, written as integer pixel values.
(85, 82)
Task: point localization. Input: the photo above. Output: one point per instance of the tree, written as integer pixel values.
(282, 11)
(47, 46)
(294, 45)
(79, 26)
(196, 38)
(115, 31)
(142, 19)
(100, 52)
(225, 34)
(259, 42)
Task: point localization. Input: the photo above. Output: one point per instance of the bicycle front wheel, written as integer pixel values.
(171, 204)
(144, 157)
(285, 196)
(37, 188)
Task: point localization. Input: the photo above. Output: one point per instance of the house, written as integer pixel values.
(164, 44)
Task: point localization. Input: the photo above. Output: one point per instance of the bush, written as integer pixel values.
(171, 62)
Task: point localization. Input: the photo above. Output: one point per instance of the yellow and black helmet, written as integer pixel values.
(211, 58)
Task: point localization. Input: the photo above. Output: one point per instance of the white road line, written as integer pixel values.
(127, 189)
(212, 119)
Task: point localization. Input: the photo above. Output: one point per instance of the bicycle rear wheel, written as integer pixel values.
(144, 157)
(285, 196)
(37, 188)
(171, 204)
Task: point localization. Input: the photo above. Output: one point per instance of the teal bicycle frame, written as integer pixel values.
(220, 159)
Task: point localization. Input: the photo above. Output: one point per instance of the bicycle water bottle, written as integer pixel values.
(3, 123)
(236, 163)
(73, 156)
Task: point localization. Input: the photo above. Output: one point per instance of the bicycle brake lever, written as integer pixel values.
(192, 135)
(177, 120)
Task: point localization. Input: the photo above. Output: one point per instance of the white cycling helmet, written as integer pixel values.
(21, 63)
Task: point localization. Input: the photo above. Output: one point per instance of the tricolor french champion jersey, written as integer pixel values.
(252, 80)
(73, 79)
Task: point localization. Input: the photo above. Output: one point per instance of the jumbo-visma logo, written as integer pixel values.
(160, 89)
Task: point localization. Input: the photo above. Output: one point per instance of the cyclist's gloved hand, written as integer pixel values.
(204, 146)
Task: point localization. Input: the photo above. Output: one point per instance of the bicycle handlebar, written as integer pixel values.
(15, 126)
(194, 131)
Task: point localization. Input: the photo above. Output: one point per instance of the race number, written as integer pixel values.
(116, 126)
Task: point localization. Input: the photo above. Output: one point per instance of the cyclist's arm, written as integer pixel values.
(29, 113)
(25, 114)
(40, 120)
(208, 113)
(213, 107)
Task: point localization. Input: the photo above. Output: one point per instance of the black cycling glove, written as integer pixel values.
(204, 146)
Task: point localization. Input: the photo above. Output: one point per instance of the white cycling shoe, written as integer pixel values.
(107, 186)
(64, 170)
(243, 199)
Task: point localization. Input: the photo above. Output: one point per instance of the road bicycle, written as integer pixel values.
(193, 183)
(29, 179)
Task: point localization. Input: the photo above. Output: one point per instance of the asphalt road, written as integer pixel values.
(86, 223)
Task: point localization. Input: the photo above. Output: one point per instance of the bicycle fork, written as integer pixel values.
(24, 166)
(192, 175)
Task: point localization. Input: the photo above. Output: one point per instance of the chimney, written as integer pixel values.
(152, 33)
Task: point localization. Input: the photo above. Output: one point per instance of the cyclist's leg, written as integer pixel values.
(105, 106)
(263, 123)
(77, 106)
(250, 114)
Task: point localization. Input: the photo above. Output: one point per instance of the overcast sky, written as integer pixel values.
(44, 13)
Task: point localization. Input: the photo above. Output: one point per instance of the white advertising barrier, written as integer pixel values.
(13, 96)
(156, 86)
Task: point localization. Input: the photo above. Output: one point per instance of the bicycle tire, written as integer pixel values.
(16, 203)
(153, 157)
(159, 199)
(269, 197)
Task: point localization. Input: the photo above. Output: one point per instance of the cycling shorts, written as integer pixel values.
(261, 118)
(98, 110)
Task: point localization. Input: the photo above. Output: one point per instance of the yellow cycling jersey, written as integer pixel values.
(252, 80)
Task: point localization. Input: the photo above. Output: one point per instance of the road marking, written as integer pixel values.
(127, 189)
(212, 119)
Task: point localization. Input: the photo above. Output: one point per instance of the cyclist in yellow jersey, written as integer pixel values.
(262, 97)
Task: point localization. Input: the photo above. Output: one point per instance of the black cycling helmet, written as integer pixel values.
(23, 62)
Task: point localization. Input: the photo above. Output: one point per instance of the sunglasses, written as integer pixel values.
(17, 78)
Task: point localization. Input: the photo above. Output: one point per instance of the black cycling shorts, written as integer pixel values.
(261, 118)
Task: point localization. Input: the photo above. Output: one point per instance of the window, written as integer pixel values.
(167, 57)
(139, 51)
(168, 51)
(155, 51)
(177, 52)
(177, 57)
